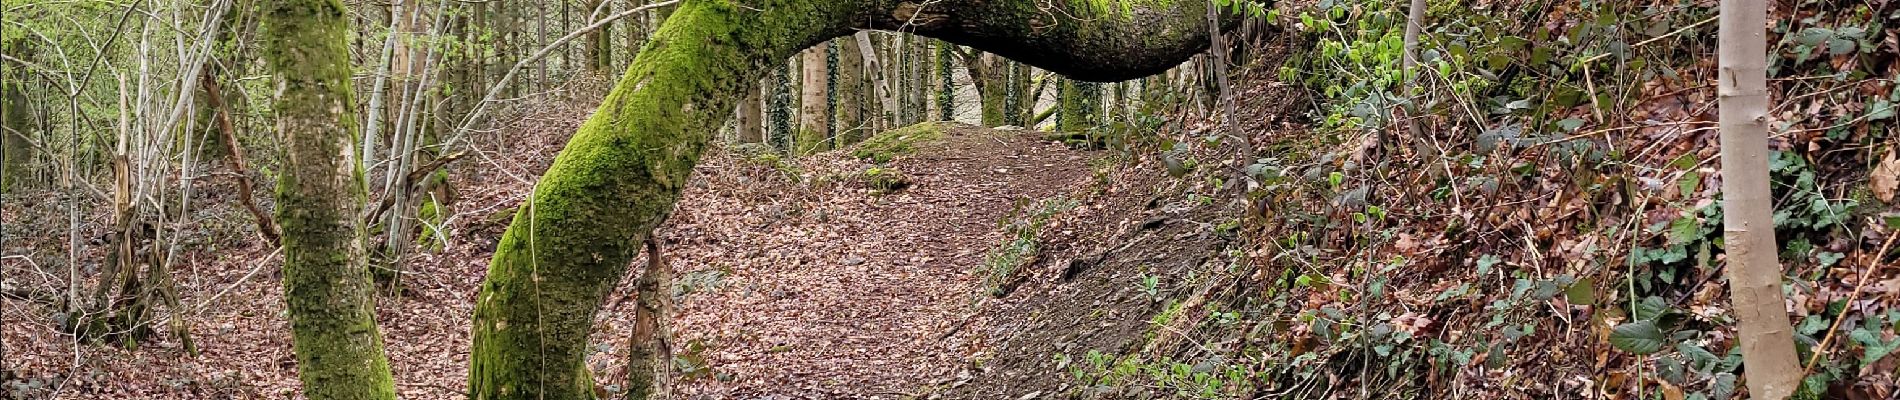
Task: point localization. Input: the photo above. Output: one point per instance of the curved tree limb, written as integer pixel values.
(621, 173)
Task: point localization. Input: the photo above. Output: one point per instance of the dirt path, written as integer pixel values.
(806, 289)
(842, 293)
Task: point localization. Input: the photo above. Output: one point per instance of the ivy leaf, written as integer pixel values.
(1814, 36)
(1874, 349)
(1881, 109)
(1829, 258)
(1724, 386)
(1570, 124)
(1701, 360)
(1811, 325)
(1840, 46)
(1640, 337)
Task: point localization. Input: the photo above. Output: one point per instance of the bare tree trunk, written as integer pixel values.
(599, 48)
(752, 117)
(636, 27)
(812, 128)
(540, 37)
(1414, 21)
(879, 85)
(650, 355)
(1219, 51)
(1755, 274)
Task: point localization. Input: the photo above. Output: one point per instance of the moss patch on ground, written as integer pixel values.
(883, 147)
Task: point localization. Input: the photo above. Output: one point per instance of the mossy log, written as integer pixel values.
(622, 172)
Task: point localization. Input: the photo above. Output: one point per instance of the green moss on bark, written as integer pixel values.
(326, 281)
(621, 173)
(615, 181)
(14, 148)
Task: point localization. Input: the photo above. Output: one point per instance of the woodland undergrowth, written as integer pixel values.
(1534, 211)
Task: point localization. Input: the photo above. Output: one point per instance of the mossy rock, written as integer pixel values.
(884, 180)
(883, 147)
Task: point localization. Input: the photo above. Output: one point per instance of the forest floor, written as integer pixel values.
(848, 293)
(794, 279)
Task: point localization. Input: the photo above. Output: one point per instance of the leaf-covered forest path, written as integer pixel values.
(825, 289)
(794, 280)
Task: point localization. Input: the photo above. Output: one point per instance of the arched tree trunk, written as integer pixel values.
(326, 279)
(622, 172)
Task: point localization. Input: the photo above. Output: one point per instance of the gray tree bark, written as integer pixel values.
(1748, 223)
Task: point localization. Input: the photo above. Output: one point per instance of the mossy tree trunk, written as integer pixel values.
(14, 147)
(1020, 102)
(852, 126)
(990, 74)
(622, 172)
(326, 280)
(1078, 106)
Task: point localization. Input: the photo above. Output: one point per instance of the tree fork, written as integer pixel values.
(622, 172)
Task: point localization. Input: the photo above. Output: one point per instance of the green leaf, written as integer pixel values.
(1839, 46)
(1684, 230)
(1670, 369)
(1650, 309)
(1570, 124)
(1640, 337)
(1689, 183)
(1829, 258)
(1699, 359)
(1581, 292)
(1485, 263)
(1724, 386)
(1814, 36)
(1881, 109)
(1811, 325)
